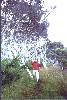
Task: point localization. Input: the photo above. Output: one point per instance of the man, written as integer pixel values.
(36, 66)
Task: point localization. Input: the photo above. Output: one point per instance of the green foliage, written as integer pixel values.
(53, 83)
(18, 84)
(50, 86)
(51, 49)
(11, 70)
(5, 63)
(62, 56)
(57, 52)
(49, 64)
(20, 89)
(28, 64)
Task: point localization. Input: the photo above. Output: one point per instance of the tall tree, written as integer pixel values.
(57, 52)
(51, 49)
(22, 17)
(61, 55)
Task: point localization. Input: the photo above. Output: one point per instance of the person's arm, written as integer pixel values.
(39, 65)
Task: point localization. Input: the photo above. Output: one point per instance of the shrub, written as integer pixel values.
(28, 64)
(63, 89)
(52, 85)
(20, 89)
(11, 70)
(51, 82)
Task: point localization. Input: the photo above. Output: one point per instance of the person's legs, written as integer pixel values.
(37, 75)
(34, 72)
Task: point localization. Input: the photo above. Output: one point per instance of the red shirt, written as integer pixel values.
(35, 65)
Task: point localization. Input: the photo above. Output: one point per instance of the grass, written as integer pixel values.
(16, 89)
(52, 82)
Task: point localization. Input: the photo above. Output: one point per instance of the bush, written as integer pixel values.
(52, 84)
(28, 64)
(20, 89)
(63, 89)
(52, 79)
(11, 70)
